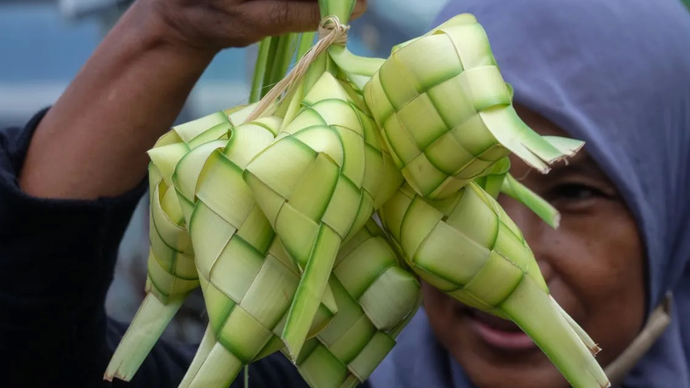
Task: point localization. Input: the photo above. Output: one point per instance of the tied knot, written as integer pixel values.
(332, 30)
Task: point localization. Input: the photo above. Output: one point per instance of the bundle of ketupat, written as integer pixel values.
(273, 210)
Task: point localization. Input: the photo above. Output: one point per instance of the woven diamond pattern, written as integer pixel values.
(375, 297)
(332, 151)
(318, 184)
(171, 269)
(436, 100)
(466, 245)
(247, 279)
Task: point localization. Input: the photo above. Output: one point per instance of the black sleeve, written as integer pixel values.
(57, 261)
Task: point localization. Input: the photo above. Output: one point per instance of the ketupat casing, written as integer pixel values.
(468, 247)
(171, 270)
(246, 277)
(376, 298)
(446, 112)
(318, 183)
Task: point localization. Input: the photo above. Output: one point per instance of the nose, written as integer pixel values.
(533, 229)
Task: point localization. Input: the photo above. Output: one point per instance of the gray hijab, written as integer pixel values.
(616, 74)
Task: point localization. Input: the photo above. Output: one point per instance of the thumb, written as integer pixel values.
(278, 17)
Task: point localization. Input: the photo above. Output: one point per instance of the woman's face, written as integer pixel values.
(593, 265)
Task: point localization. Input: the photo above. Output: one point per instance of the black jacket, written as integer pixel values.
(57, 260)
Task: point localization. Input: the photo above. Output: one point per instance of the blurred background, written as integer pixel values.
(43, 44)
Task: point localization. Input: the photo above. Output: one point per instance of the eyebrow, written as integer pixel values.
(580, 164)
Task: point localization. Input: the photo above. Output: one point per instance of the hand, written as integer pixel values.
(93, 141)
(217, 24)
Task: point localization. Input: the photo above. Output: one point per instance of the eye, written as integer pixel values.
(575, 192)
(575, 196)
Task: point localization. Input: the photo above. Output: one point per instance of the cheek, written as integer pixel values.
(439, 307)
(598, 263)
(443, 315)
(599, 255)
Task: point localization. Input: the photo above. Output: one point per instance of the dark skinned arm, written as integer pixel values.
(93, 141)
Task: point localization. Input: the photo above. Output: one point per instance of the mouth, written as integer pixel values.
(498, 333)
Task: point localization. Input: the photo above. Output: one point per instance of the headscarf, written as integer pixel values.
(616, 74)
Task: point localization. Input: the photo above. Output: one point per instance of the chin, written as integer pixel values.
(493, 352)
(507, 377)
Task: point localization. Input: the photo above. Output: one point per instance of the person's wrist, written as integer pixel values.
(154, 26)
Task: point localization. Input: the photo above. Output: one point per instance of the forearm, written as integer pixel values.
(93, 141)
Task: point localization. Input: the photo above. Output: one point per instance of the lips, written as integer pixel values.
(494, 322)
(499, 333)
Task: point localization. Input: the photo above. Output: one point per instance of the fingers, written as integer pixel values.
(360, 8)
(277, 17)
